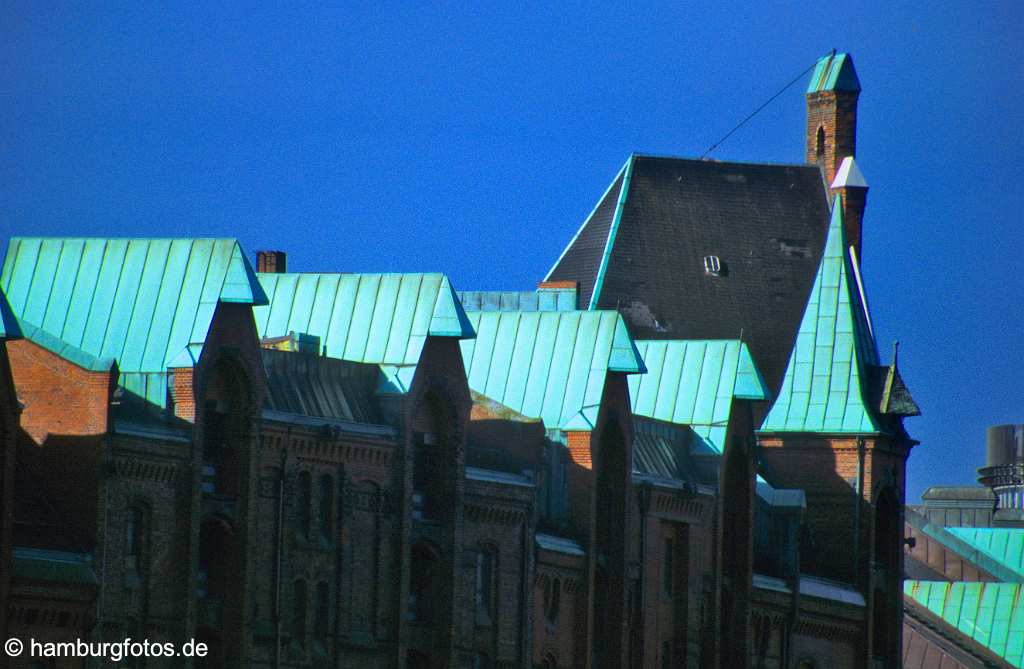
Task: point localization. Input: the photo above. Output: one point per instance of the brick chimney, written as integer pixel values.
(271, 262)
(851, 186)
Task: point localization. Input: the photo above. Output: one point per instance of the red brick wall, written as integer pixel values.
(60, 397)
(182, 393)
(562, 638)
(497, 521)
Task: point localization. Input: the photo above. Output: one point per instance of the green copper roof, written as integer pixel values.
(694, 383)
(823, 389)
(834, 72)
(373, 318)
(1002, 544)
(989, 613)
(549, 364)
(8, 323)
(137, 301)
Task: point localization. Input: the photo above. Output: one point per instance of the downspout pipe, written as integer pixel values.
(856, 510)
(644, 500)
(278, 553)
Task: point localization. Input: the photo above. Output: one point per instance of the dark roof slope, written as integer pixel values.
(313, 385)
(582, 258)
(766, 224)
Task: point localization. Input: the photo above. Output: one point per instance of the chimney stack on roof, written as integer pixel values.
(851, 186)
(832, 136)
(271, 262)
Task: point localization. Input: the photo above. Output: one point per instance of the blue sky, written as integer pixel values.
(473, 140)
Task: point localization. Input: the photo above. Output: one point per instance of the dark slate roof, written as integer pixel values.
(643, 250)
(582, 258)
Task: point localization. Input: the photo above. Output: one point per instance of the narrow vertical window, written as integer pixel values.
(305, 500)
(668, 568)
(322, 612)
(135, 537)
(552, 596)
(425, 477)
(326, 506)
(484, 580)
(819, 146)
(423, 590)
(299, 613)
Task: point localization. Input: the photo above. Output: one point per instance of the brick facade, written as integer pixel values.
(446, 531)
(317, 540)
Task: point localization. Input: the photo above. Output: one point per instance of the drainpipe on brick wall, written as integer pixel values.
(105, 475)
(856, 511)
(524, 596)
(339, 555)
(277, 553)
(794, 614)
(644, 500)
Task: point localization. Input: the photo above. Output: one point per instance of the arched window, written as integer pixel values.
(819, 144)
(299, 612)
(326, 506)
(304, 502)
(322, 612)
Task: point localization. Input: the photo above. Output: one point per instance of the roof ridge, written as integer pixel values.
(445, 274)
(745, 163)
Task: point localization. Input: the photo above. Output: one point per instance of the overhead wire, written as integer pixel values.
(758, 110)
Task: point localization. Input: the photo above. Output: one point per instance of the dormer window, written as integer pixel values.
(713, 265)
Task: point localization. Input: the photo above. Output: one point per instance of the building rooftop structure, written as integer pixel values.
(144, 303)
(697, 249)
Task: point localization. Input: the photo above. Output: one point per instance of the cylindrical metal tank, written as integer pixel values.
(1005, 445)
(1004, 467)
